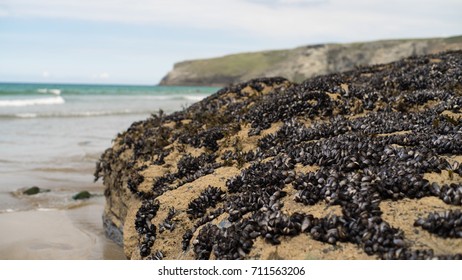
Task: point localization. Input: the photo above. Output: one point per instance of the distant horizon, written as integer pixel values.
(122, 42)
(70, 83)
(114, 83)
(89, 84)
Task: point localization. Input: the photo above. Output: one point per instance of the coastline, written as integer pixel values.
(54, 146)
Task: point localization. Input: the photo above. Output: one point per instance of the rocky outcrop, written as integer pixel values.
(342, 166)
(301, 63)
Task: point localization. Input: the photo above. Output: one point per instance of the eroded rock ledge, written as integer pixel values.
(344, 166)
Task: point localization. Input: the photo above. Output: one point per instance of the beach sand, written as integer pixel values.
(71, 234)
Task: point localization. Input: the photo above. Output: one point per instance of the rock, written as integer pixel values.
(34, 190)
(113, 232)
(301, 63)
(82, 195)
(330, 168)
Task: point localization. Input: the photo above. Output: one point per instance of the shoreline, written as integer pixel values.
(71, 234)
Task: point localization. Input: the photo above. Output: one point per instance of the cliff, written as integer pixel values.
(301, 63)
(355, 165)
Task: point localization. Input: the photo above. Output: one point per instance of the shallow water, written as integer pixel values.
(52, 135)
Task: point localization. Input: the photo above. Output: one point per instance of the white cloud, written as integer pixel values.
(101, 76)
(45, 74)
(3, 12)
(301, 2)
(273, 19)
(289, 2)
(104, 75)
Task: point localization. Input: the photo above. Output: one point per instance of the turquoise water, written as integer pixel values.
(36, 100)
(51, 135)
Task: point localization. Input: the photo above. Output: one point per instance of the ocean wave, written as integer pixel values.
(95, 113)
(26, 115)
(55, 91)
(177, 97)
(195, 97)
(57, 169)
(49, 201)
(81, 114)
(32, 102)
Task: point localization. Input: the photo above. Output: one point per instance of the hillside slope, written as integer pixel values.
(301, 63)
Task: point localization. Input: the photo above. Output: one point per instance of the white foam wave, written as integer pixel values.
(26, 115)
(46, 209)
(177, 97)
(55, 91)
(32, 102)
(162, 97)
(195, 97)
(93, 113)
(75, 114)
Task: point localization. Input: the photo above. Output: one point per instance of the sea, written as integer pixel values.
(52, 135)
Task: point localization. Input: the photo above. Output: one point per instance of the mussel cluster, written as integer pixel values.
(208, 198)
(168, 223)
(190, 168)
(370, 135)
(207, 139)
(144, 226)
(450, 194)
(157, 256)
(446, 224)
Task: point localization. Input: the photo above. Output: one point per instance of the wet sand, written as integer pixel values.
(73, 234)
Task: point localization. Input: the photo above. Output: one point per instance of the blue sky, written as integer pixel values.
(138, 41)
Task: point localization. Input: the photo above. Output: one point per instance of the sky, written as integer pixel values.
(138, 41)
